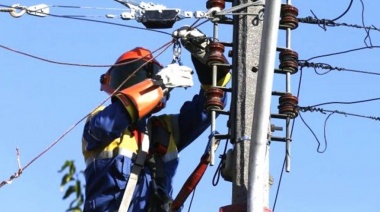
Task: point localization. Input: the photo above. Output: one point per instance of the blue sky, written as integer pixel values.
(42, 100)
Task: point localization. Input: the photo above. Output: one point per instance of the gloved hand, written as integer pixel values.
(175, 75)
(196, 42)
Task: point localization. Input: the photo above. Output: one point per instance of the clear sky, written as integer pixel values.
(42, 100)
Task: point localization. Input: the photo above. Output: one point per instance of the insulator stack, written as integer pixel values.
(288, 105)
(216, 54)
(216, 3)
(214, 97)
(289, 61)
(289, 15)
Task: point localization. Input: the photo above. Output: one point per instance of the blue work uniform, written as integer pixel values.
(110, 143)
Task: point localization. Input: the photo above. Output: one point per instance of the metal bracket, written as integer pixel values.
(40, 10)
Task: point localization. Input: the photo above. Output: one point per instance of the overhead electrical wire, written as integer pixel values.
(329, 68)
(299, 85)
(21, 169)
(82, 18)
(317, 21)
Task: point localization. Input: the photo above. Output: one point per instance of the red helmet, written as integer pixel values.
(137, 65)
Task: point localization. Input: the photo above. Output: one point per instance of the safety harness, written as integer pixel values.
(154, 161)
(160, 201)
(134, 175)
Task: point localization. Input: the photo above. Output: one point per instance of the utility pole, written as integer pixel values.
(254, 47)
(247, 32)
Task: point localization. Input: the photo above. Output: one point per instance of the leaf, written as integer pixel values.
(72, 169)
(76, 209)
(69, 191)
(78, 188)
(79, 201)
(75, 187)
(67, 163)
(65, 179)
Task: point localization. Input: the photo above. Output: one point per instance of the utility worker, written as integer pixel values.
(131, 155)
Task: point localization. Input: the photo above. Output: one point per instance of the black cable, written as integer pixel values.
(278, 187)
(368, 36)
(315, 136)
(347, 103)
(191, 200)
(97, 21)
(324, 111)
(315, 66)
(107, 22)
(321, 73)
(345, 12)
(361, 72)
(324, 130)
(329, 23)
(325, 21)
(342, 52)
(76, 64)
(216, 177)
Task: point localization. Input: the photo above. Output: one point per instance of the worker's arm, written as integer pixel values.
(193, 119)
(132, 104)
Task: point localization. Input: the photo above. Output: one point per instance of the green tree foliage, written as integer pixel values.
(71, 182)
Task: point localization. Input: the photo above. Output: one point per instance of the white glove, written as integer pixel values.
(194, 41)
(174, 75)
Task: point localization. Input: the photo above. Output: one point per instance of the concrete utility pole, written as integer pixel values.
(254, 49)
(247, 32)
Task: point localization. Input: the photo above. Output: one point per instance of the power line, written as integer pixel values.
(21, 169)
(340, 16)
(330, 68)
(347, 103)
(343, 52)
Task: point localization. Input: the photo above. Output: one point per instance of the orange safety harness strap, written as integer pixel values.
(191, 182)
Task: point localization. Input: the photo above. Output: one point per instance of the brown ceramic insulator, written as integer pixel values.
(216, 53)
(214, 99)
(216, 3)
(289, 15)
(288, 105)
(289, 61)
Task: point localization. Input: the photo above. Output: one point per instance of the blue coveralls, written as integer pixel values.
(110, 144)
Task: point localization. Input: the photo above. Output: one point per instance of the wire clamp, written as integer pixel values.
(17, 11)
(41, 10)
(177, 52)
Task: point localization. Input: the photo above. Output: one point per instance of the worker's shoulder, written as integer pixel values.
(95, 111)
